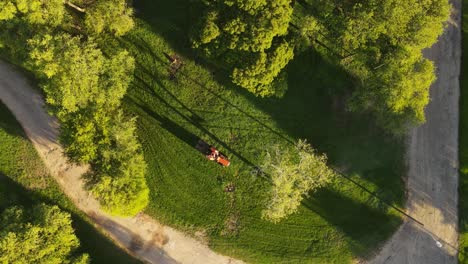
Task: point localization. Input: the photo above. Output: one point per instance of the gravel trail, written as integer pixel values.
(432, 154)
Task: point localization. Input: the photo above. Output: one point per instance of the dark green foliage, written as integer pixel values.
(43, 234)
(249, 38)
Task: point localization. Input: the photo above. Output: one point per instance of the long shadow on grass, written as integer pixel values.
(365, 226)
(190, 120)
(197, 118)
(99, 247)
(183, 134)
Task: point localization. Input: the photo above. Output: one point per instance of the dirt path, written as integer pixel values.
(142, 236)
(433, 166)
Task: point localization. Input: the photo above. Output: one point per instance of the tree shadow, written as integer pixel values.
(100, 248)
(171, 19)
(8, 122)
(314, 108)
(365, 226)
(180, 132)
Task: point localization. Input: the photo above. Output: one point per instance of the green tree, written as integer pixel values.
(109, 15)
(259, 76)
(249, 37)
(85, 88)
(43, 234)
(7, 10)
(78, 74)
(381, 45)
(121, 188)
(50, 12)
(295, 173)
(400, 87)
(72, 68)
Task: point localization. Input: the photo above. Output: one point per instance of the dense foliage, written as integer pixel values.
(109, 15)
(249, 37)
(295, 173)
(380, 43)
(84, 88)
(43, 234)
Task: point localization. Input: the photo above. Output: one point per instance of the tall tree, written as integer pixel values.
(381, 42)
(72, 68)
(78, 74)
(85, 88)
(248, 36)
(43, 234)
(295, 173)
(113, 16)
(121, 187)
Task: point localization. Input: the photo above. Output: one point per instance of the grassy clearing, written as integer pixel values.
(336, 225)
(463, 144)
(24, 180)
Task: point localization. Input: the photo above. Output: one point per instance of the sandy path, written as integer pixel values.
(141, 235)
(433, 165)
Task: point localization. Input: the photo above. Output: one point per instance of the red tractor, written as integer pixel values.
(212, 153)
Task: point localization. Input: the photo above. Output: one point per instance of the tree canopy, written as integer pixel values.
(78, 74)
(295, 173)
(380, 43)
(43, 234)
(84, 88)
(249, 37)
(113, 16)
(50, 12)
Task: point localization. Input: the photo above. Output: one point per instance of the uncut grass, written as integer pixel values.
(24, 180)
(463, 142)
(336, 225)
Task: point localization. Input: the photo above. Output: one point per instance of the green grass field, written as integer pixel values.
(336, 225)
(25, 181)
(463, 145)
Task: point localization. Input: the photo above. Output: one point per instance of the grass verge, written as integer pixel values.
(24, 180)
